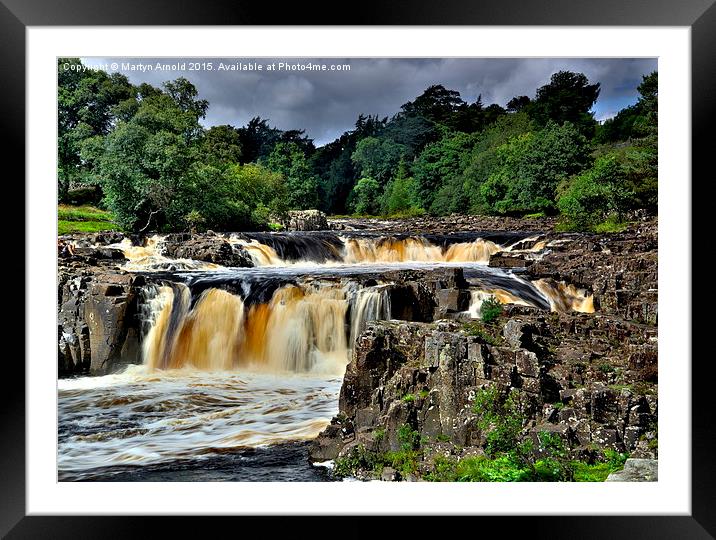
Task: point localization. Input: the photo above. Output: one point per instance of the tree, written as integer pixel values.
(378, 158)
(523, 173)
(595, 194)
(184, 94)
(302, 185)
(400, 195)
(366, 196)
(257, 139)
(437, 165)
(144, 164)
(568, 97)
(483, 159)
(517, 103)
(221, 145)
(436, 103)
(86, 104)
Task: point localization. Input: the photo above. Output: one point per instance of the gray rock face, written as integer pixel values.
(208, 248)
(426, 375)
(637, 470)
(305, 220)
(110, 312)
(620, 269)
(98, 323)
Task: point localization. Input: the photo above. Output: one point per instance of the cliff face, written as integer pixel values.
(98, 322)
(588, 379)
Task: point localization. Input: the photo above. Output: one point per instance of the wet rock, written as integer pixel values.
(208, 248)
(110, 312)
(327, 445)
(509, 260)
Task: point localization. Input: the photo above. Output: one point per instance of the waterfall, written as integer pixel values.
(300, 329)
(563, 297)
(415, 249)
(369, 304)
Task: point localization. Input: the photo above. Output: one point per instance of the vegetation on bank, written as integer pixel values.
(83, 219)
(159, 169)
(509, 454)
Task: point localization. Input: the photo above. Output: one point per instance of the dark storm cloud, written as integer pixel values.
(327, 103)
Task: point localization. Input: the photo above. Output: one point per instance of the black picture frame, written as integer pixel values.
(16, 15)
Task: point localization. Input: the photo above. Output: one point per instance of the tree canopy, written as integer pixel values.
(159, 168)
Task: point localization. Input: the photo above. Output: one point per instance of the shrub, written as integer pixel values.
(408, 438)
(490, 310)
(595, 195)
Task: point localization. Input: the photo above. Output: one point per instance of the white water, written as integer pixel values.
(141, 417)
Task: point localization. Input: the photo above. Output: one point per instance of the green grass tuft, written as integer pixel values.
(83, 219)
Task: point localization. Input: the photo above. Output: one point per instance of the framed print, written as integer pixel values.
(404, 267)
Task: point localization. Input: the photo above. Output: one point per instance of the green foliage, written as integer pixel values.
(490, 310)
(441, 164)
(159, 168)
(635, 121)
(409, 398)
(378, 158)
(405, 461)
(568, 97)
(221, 145)
(366, 197)
(400, 195)
(86, 103)
(498, 416)
(611, 225)
(599, 470)
(82, 213)
(606, 367)
(483, 469)
(195, 220)
(594, 195)
(408, 438)
(290, 160)
(379, 434)
(489, 334)
(358, 459)
(69, 227)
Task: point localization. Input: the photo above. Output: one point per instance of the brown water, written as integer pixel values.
(236, 362)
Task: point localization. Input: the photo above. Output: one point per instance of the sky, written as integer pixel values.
(327, 101)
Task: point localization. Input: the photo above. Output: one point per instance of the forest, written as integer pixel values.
(143, 153)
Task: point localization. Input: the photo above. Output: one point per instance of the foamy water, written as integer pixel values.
(143, 417)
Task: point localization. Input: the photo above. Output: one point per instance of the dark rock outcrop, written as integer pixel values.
(98, 321)
(620, 269)
(426, 376)
(208, 248)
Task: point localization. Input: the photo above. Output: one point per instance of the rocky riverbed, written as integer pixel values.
(588, 379)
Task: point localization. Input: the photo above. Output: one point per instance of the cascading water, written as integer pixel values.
(301, 329)
(563, 297)
(368, 304)
(150, 257)
(247, 357)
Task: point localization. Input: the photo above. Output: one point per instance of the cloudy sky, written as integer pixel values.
(326, 102)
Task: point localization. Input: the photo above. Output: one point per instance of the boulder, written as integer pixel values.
(208, 248)
(304, 220)
(637, 470)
